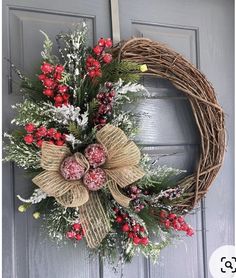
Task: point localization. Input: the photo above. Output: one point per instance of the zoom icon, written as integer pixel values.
(229, 264)
(222, 262)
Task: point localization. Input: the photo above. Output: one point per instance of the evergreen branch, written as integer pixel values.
(47, 52)
(125, 70)
(75, 130)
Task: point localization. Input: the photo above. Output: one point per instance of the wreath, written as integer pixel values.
(75, 135)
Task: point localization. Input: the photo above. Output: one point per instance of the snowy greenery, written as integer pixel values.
(76, 122)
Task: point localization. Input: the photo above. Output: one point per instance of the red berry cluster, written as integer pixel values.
(50, 78)
(93, 65)
(133, 230)
(76, 232)
(171, 220)
(105, 100)
(135, 193)
(39, 134)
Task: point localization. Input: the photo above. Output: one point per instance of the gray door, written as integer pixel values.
(200, 30)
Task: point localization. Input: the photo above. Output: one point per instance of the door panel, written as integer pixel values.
(29, 254)
(203, 32)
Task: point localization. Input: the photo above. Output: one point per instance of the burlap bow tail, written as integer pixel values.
(121, 168)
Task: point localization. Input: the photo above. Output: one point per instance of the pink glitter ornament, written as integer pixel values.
(94, 179)
(71, 169)
(95, 154)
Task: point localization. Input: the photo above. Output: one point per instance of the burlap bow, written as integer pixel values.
(121, 167)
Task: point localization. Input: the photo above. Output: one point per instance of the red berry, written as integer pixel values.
(130, 235)
(48, 92)
(119, 219)
(30, 127)
(42, 77)
(71, 234)
(107, 58)
(92, 73)
(97, 50)
(58, 99)
(101, 42)
(62, 89)
(59, 68)
(57, 136)
(136, 228)
(136, 240)
(60, 143)
(109, 85)
(176, 225)
(39, 143)
(190, 232)
(66, 96)
(89, 60)
(76, 226)
(180, 219)
(108, 43)
(96, 64)
(78, 237)
(144, 241)
(58, 104)
(51, 132)
(42, 131)
(112, 93)
(125, 228)
(172, 216)
(105, 108)
(167, 224)
(49, 83)
(29, 139)
(100, 96)
(57, 76)
(47, 68)
(184, 227)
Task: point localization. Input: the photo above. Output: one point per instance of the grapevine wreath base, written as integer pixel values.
(73, 134)
(164, 62)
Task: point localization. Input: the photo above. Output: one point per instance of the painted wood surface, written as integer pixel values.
(203, 32)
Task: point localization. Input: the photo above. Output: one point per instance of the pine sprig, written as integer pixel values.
(31, 112)
(75, 130)
(125, 70)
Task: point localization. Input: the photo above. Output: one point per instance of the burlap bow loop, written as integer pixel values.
(121, 165)
(121, 168)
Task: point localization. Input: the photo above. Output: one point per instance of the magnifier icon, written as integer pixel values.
(228, 264)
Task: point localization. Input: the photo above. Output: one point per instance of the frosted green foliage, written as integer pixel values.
(68, 113)
(57, 219)
(159, 177)
(25, 156)
(123, 89)
(31, 112)
(37, 196)
(47, 50)
(127, 121)
(73, 49)
(70, 138)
